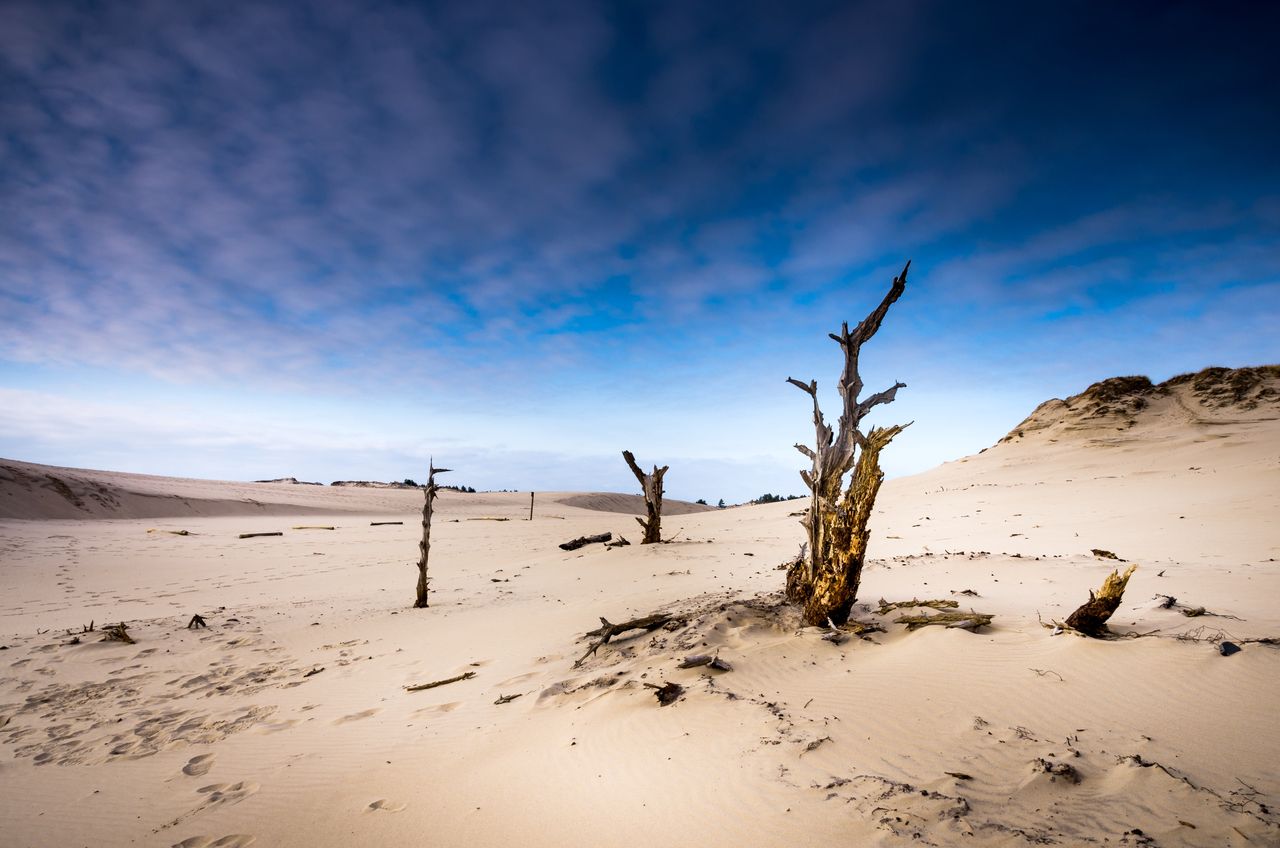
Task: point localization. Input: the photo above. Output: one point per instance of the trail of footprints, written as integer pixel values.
(71, 723)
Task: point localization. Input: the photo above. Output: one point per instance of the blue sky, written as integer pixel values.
(332, 239)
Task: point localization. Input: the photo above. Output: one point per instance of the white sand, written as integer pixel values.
(218, 737)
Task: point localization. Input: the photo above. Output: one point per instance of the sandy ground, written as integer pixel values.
(286, 722)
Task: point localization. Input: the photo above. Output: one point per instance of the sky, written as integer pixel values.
(331, 240)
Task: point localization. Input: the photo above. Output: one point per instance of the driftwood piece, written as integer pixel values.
(699, 660)
(506, 699)
(254, 535)
(488, 518)
(583, 541)
(668, 693)
(313, 672)
(826, 585)
(466, 675)
(951, 620)
(429, 494)
(620, 542)
(608, 630)
(197, 621)
(117, 633)
(171, 532)
(651, 488)
(1091, 617)
(1170, 602)
(1101, 554)
(383, 523)
(312, 527)
(886, 607)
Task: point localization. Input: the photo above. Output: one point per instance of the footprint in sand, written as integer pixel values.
(437, 708)
(519, 678)
(235, 840)
(356, 716)
(386, 806)
(227, 793)
(219, 795)
(199, 765)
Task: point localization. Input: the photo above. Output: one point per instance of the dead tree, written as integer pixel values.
(424, 547)
(825, 583)
(651, 486)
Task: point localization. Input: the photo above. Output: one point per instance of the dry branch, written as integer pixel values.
(951, 620)
(197, 621)
(608, 630)
(312, 527)
(583, 541)
(252, 535)
(466, 675)
(1091, 617)
(382, 523)
(887, 607)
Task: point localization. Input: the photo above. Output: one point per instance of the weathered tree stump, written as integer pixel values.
(651, 488)
(1091, 618)
(117, 633)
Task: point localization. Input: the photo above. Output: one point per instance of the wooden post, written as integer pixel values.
(424, 547)
(651, 487)
(531, 506)
(826, 583)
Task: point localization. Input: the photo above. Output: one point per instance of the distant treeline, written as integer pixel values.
(769, 498)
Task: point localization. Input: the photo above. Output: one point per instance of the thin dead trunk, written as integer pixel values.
(424, 547)
(826, 583)
(651, 487)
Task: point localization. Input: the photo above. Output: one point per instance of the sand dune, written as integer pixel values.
(286, 721)
(629, 504)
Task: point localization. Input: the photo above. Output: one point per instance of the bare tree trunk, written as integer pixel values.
(424, 547)
(651, 486)
(826, 583)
